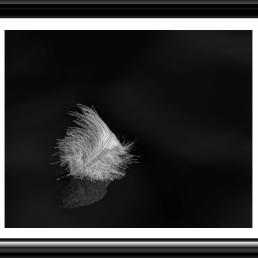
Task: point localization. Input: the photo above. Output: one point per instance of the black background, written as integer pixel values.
(184, 97)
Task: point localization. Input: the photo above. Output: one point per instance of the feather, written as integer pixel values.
(92, 153)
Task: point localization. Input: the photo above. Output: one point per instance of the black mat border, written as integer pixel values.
(137, 250)
(69, 10)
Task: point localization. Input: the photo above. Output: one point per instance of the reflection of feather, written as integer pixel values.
(81, 192)
(91, 151)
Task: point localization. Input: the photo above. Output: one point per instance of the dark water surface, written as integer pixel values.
(184, 97)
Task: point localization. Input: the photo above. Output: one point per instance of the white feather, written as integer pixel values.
(91, 150)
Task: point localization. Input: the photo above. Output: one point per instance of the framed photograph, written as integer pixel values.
(129, 127)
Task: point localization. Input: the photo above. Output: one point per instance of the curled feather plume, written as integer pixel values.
(93, 157)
